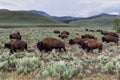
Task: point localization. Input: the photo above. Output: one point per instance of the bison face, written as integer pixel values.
(71, 42)
(39, 46)
(7, 45)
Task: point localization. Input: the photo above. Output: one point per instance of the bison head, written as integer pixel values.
(71, 42)
(39, 45)
(7, 45)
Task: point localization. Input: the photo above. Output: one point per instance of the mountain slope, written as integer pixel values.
(24, 17)
(101, 20)
(65, 19)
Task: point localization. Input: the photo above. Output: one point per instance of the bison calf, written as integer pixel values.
(49, 43)
(15, 44)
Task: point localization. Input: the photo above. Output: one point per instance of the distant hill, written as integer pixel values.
(8, 17)
(65, 19)
(40, 13)
(101, 20)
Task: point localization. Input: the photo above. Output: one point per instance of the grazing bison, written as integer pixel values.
(15, 36)
(56, 31)
(65, 32)
(108, 33)
(89, 36)
(49, 43)
(109, 38)
(16, 44)
(90, 44)
(63, 36)
(113, 34)
(74, 41)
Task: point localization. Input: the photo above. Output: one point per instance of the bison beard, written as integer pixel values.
(48, 44)
(14, 45)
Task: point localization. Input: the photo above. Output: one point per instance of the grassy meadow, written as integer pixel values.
(75, 64)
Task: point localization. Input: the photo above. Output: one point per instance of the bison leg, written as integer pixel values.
(64, 49)
(11, 51)
(100, 50)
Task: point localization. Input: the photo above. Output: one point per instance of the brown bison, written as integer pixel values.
(49, 43)
(109, 38)
(108, 33)
(16, 44)
(89, 36)
(63, 36)
(90, 44)
(65, 32)
(15, 36)
(74, 41)
(56, 31)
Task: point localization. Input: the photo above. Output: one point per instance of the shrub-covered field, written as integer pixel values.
(75, 64)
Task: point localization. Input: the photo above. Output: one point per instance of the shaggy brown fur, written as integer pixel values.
(49, 43)
(15, 36)
(74, 41)
(89, 36)
(90, 44)
(109, 38)
(15, 44)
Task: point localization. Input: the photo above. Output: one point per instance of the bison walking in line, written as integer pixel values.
(64, 34)
(109, 38)
(56, 31)
(15, 44)
(15, 36)
(90, 44)
(74, 41)
(49, 43)
(89, 36)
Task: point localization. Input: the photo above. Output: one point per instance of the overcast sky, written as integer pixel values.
(77, 8)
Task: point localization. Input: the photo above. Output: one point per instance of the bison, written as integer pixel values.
(15, 44)
(56, 31)
(90, 44)
(89, 36)
(108, 33)
(74, 41)
(15, 36)
(63, 36)
(49, 43)
(65, 32)
(109, 38)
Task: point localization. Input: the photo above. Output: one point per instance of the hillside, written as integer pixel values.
(24, 17)
(101, 20)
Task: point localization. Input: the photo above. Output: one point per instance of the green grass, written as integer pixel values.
(95, 22)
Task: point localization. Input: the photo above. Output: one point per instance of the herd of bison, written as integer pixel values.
(87, 42)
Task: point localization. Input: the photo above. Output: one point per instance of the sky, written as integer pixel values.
(75, 8)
